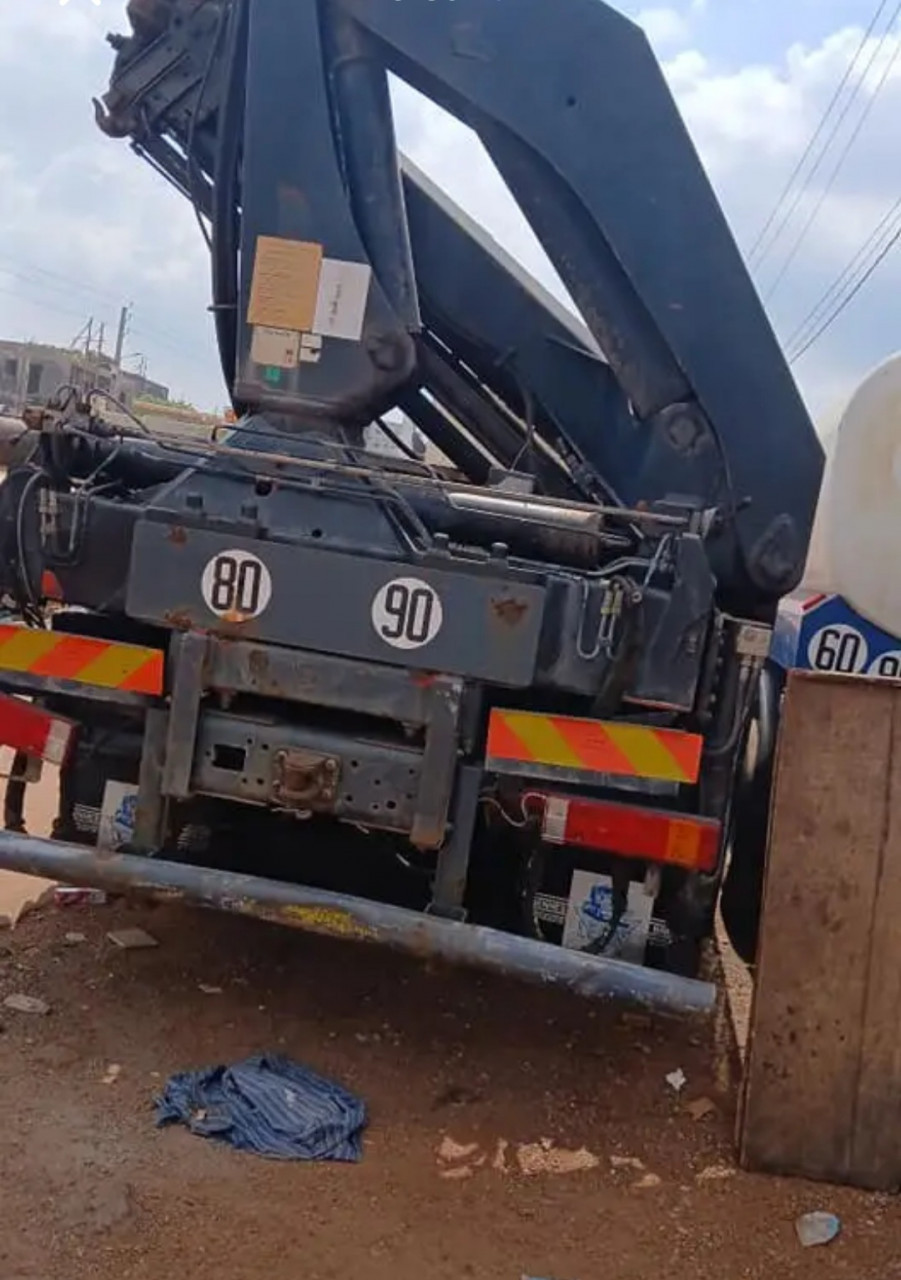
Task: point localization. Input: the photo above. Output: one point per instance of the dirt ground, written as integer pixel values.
(92, 1189)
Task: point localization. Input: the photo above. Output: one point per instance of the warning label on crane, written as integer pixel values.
(285, 284)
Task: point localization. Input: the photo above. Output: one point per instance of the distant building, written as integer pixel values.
(30, 372)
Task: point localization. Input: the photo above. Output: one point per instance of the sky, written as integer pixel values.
(86, 227)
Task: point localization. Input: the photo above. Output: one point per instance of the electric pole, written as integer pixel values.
(124, 317)
(86, 331)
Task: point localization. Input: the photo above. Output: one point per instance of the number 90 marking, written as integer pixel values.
(407, 613)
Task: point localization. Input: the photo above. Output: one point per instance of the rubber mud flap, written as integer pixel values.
(740, 901)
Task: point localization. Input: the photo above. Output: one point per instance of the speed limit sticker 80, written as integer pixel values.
(236, 585)
(407, 613)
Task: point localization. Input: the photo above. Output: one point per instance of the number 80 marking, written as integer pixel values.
(236, 585)
(407, 613)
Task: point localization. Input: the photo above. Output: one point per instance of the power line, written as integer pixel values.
(849, 298)
(837, 168)
(762, 247)
(163, 337)
(884, 227)
(45, 306)
(67, 283)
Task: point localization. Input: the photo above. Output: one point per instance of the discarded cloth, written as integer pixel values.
(268, 1105)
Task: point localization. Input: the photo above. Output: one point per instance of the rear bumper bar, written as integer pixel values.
(358, 919)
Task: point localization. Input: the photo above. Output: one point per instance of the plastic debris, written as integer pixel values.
(74, 939)
(450, 1150)
(499, 1163)
(26, 1004)
(817, 1228)
(132, 939)
(677, 1080)
(71, 896)
(270, 1106)
(536, 1158)
(716, 1173)
(113, 1072)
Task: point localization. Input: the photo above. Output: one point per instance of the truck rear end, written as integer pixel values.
(496, 707)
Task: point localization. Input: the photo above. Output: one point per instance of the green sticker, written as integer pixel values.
(272, 374)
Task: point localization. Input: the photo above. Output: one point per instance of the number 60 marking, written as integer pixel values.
(407, 613)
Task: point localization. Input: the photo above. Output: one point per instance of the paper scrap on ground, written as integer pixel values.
(132, 939)
(19, 1003)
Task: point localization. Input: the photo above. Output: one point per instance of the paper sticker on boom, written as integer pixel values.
(407, 613)
(839, 649)
(236, 586)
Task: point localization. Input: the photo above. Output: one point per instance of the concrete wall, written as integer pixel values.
(30, 372)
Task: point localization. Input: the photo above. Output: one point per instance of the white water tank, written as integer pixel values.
(856, 537)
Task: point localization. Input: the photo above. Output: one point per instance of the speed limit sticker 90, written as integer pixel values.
(407, 613)
(236, 586)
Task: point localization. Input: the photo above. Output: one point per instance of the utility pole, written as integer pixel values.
(124, 317)
(22, 380)
(84, 332)
(100, 338)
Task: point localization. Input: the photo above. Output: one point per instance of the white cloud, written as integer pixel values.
(751, 127)
(663, 27)
(85, 226)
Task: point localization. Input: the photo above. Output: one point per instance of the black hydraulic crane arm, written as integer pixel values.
(342, 287)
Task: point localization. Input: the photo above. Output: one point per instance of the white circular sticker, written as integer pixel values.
(407, 613)
(887, 665)
(236, 586)
(840, 649)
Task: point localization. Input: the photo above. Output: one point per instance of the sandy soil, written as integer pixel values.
(91, 1188)
(444, 1060)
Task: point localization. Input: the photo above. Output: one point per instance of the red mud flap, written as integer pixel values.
(34, 731)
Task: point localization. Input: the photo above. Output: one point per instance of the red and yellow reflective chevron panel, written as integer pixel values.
(517, 739)
(104, 663)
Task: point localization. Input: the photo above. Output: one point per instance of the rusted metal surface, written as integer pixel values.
(302, 778)
(356, 919)
(27, 683)
(510, 610)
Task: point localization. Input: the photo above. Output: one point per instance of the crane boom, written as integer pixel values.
(276, 119)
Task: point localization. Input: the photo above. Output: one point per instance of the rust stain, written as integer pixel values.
(258, 662)
(177, 535)
(423, 679)
(179, 619)
(508, 610)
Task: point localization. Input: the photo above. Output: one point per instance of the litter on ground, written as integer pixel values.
(270, 1106)
(817, 1228)
(20, 1003)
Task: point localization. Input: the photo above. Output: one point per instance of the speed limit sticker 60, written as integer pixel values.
(407, 613)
